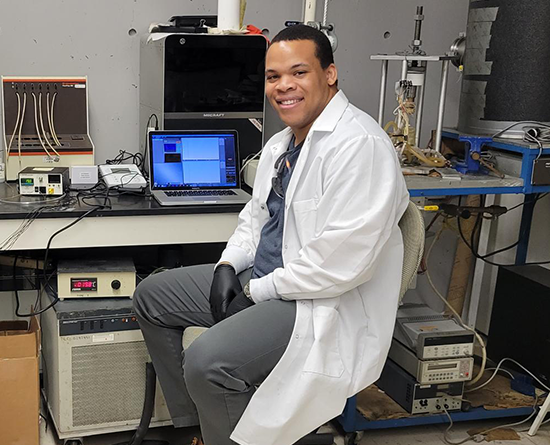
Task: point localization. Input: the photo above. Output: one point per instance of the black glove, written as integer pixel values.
(239, 303)
(225, 286)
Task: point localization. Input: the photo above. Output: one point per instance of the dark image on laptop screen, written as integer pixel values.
(193, 160)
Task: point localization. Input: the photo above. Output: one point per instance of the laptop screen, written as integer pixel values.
(189, 160)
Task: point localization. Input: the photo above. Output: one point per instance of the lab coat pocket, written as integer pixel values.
(305, 215)
(324, 357)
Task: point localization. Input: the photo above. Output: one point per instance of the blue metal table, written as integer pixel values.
(483, 184)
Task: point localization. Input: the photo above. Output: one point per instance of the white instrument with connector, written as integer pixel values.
(122, 176)
(428, 372)
(40, 181)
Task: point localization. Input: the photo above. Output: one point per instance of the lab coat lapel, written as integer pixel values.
(298, 169)
(279, 148)
(326, 122)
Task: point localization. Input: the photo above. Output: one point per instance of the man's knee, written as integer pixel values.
(205, 366)
(146, 293)
(198, 365)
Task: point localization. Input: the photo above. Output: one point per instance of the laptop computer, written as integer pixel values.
(195, 167)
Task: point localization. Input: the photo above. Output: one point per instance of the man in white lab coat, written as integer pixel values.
(319, 253)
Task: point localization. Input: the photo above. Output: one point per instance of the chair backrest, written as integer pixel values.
(412, 229)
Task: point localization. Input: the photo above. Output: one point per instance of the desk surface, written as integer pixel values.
(122, 205)
(131, 221)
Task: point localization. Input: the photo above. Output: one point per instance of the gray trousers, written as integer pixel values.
(222, 368)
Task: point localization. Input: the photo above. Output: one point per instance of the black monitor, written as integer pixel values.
(214, 74)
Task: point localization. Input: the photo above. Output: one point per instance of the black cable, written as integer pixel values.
(146, 143)
(45, 276)
(17, 303)
(432, 222)
(484, 257)
(147, 412)
(511, 246)
(16, 292)
(477, 226)
(539, 196)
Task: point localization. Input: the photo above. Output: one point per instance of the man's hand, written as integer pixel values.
(225, 286)
(239, 303)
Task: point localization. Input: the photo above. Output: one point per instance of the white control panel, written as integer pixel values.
(445, 371)
(436, 404)
(40, 181)
(445, 351)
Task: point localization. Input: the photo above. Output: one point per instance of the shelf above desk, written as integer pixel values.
(467, 185)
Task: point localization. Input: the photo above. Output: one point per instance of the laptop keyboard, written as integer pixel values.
(199, 193)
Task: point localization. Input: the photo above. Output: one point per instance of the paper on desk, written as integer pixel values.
(156, 36)
(444, 173)
(449, 173)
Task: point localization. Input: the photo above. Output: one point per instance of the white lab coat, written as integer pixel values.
(342, 254)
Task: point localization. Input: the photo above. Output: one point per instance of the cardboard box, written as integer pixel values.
(19, 382)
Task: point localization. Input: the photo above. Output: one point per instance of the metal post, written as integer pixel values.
(383, 83)
(420, 108)
(441, 110)
(404, 71)
(418, 22)
(525, 228)
(310, 7)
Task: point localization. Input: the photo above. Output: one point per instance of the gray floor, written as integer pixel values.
(427, 435)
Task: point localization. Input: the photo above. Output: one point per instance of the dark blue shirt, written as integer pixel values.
(269, 255)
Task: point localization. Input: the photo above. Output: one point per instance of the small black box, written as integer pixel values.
(520, 328)
(541, 171)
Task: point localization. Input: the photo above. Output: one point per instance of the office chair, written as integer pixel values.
(412, 230)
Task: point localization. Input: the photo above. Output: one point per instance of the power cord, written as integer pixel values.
(479, 436)
(146, 142)
(473, 249)
(534, 132)
(123, 155)
(455, 313)
(38, 299)
(248, 160)
(10, 241)
(45, 276)
(508, 359)
(477, 227)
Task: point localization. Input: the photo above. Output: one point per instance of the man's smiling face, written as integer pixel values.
(297, 87)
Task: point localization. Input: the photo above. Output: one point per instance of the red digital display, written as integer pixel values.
(87, 284)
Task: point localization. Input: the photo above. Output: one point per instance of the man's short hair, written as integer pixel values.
(323, 50)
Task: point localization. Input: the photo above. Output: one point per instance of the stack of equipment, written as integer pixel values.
(429, 361)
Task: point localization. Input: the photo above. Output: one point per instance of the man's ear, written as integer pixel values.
(332, 75)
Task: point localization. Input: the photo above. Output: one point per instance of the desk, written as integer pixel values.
(132, 221)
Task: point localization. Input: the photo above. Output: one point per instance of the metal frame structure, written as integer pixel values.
(405, 59)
